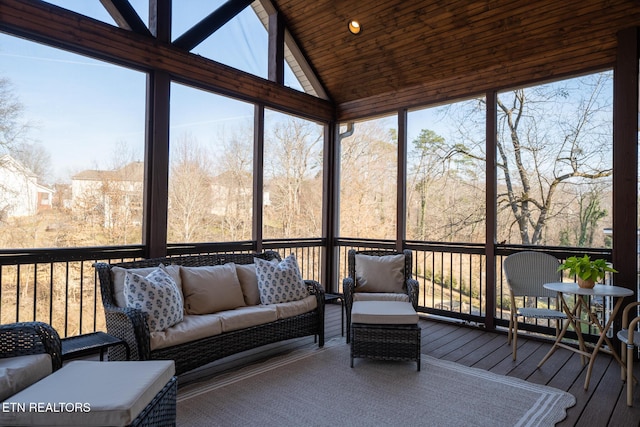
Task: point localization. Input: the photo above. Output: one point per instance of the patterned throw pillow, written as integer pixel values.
(280, 282)
(157, 295)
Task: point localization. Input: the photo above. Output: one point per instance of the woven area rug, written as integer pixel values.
(316, 387)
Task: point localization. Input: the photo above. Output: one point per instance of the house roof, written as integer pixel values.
(133, 172)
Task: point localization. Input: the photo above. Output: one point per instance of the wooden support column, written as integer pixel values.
(491, 209)
(258, 175)
(625, 161)
(401, 206)
(156, 165)
(330, 205)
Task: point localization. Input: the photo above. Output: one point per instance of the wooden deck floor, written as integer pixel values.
(603, 404)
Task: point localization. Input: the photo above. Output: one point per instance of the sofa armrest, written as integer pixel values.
(26, 338)
(129, 324)
(315, 288)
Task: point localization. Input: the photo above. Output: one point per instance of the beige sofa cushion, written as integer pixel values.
(17, 373)
(118, 274)
(293, 308)
(193, 327)
(108, 394)
(383, 313)
(379, 273)
(245, 317)
(248, 283)
(211, 289)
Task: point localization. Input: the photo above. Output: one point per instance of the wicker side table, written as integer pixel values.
(385, 330)
(87, 344)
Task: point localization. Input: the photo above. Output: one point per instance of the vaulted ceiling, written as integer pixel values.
(410, 52)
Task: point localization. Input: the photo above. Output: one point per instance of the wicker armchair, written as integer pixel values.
(350, 284)
(26, 338)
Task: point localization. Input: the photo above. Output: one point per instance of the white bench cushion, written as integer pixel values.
(17, 373)
(383, 313)
(100, 394)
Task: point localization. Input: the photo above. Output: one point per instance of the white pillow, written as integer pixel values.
(280, 282)
(157, 295)
(118, 273)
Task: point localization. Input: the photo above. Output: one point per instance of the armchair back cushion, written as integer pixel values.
(380, 273)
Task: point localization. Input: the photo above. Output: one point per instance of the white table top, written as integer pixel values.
(597, 290)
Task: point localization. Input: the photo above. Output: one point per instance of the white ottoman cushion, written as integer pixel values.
(89, 393)
(383, 313)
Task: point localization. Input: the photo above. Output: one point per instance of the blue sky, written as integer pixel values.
(83, 110)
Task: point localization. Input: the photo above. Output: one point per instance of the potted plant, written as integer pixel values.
(586, 271)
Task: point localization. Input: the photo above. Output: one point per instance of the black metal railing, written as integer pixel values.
(59, 286)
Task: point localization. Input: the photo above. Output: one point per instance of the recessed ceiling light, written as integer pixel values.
(354, 27)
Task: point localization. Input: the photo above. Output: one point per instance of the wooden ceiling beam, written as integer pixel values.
(209, 25)
(61, 28)
(125, 16)
(276, 48)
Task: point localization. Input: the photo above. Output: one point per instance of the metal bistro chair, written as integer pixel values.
(526, 272)
(629, 338)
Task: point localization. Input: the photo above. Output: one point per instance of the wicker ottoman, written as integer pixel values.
(91, 393)
(385, 330)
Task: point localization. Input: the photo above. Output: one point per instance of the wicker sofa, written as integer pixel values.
(130, 324)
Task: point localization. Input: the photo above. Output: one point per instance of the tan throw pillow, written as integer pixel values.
(211, 289)
(379, 273)
(248, 283)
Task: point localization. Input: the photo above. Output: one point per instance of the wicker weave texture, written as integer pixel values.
(25, 338)
(130, 324)
(161, 411)
(386, 342)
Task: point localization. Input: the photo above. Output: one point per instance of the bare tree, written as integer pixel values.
(13, 128)
(549, 137)
(189, 191)
(293, 164)
(368, 174)
(234, 186)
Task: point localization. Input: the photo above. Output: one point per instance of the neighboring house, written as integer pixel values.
(20, 193)
(116, 194)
